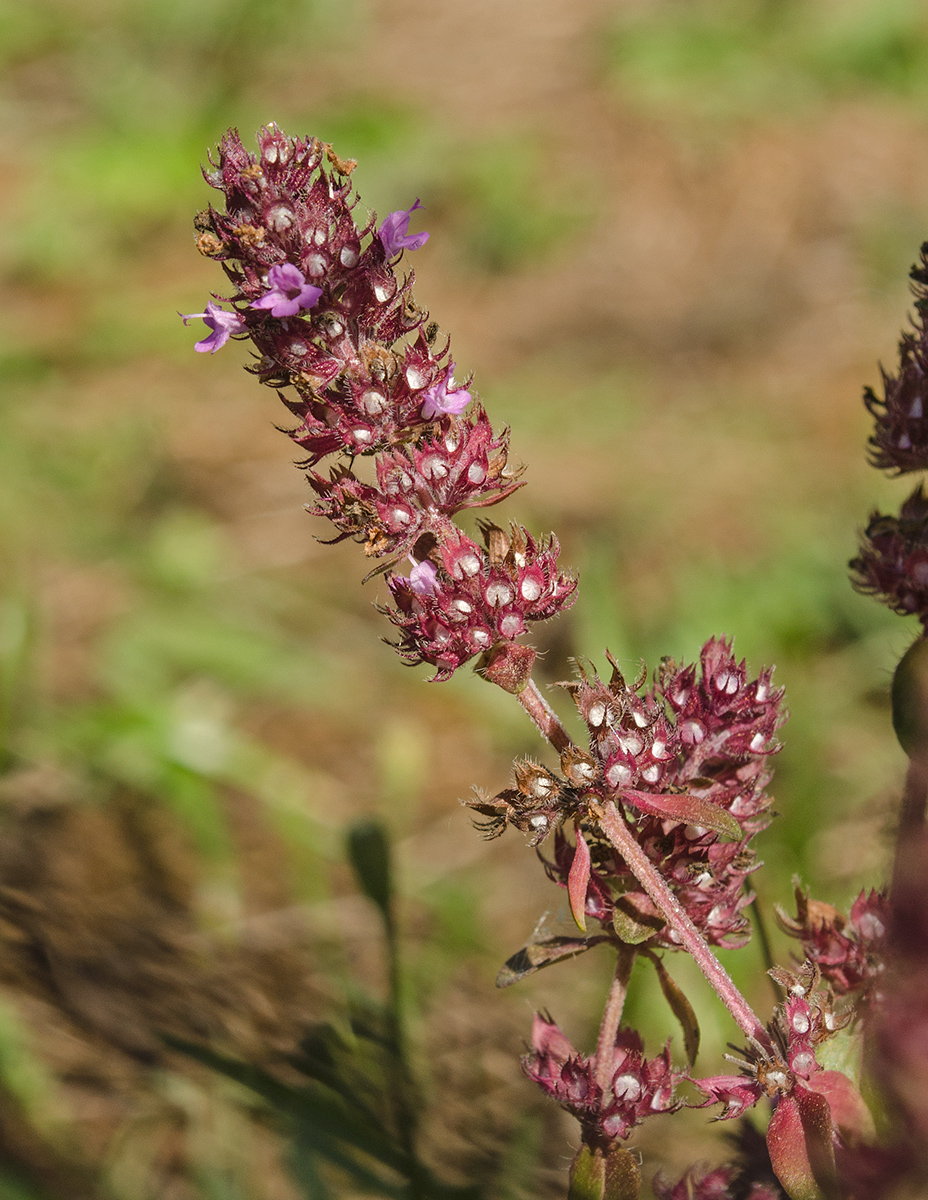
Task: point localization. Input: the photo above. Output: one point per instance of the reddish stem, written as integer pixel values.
(546, 720)
(612, 1016)
(620, 836)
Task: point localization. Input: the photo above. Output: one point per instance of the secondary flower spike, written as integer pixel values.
(637, 1087)
(289, 292)
(222, 323)
(899, 442)
(394, 232)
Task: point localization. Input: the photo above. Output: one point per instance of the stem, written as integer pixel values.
(911, 822)
(620, 836)
(546, 720)
(613, 1015)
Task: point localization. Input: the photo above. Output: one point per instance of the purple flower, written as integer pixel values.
(423, 578)
(395, 235)
(222, 323)
(288, 292)
(442, 400)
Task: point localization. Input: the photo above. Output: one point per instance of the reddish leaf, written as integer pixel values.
(578, 880)
(848, 1109)
(799, 1140)
(685, 809)
(820, 1136)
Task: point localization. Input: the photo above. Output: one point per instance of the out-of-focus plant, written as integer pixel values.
(735, 59)
(650, 822)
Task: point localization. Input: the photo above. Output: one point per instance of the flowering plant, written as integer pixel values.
(648, 826)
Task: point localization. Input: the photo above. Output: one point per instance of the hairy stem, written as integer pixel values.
(545, 719)
(620, 836)
(612, 1016)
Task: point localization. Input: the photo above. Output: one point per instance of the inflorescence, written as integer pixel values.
(652, 820)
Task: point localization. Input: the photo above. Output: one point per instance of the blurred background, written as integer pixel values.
(670, 238)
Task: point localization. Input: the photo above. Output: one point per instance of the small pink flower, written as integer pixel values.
(289, 292)
(444, 399)
(423, 578)
(394, 232)
(222, 323)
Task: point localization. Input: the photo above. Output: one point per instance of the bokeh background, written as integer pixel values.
(670, 238)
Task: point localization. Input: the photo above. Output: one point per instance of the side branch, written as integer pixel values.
(545, 719)
(620, 836)
(612, 1016)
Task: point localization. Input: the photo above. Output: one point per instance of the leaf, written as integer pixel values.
(799, 1140)
(326, 1057)
(623, 1177)
(685, 809)
(305, 1170)
(681, 1009)
(848, 1109)
(309, 1145)
(910, 699)
(844, 1052)
(587, 1176)
(535, 955)
(578, 880)
(632, 924)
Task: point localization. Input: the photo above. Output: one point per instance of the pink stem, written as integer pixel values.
(613, 1015)
(617, 831)
(546, 720)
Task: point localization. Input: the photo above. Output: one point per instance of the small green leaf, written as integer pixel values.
(587, 1176)
(623, 1177)
(632, 924)
(844, 1052)
(681, 1009)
